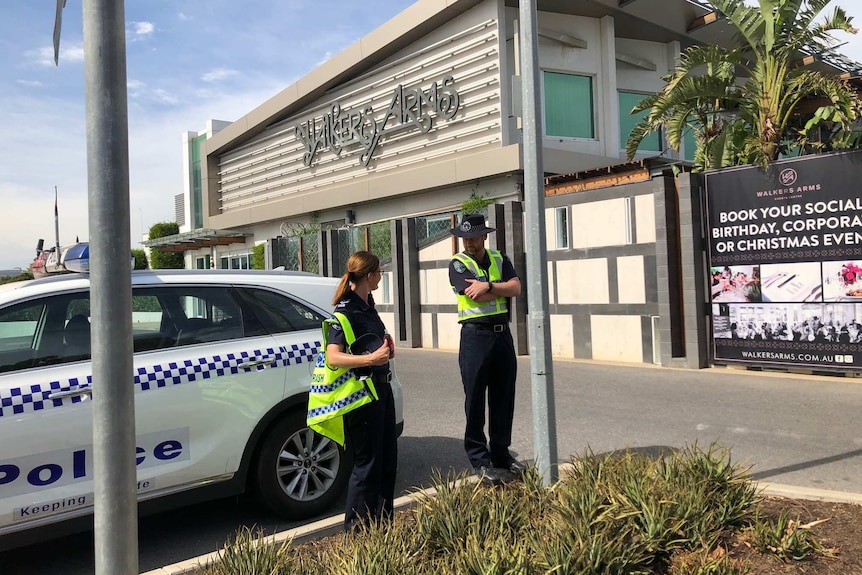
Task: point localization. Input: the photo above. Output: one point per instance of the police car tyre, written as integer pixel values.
(299, 473)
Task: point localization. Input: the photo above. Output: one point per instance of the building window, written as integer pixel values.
(197, 185)
(569, 106)
(628, 100)
(240, 262)
(630, 220)
(690, 144)
(561, 215)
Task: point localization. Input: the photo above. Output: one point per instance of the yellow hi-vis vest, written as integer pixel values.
(469, 308)
(335, 391)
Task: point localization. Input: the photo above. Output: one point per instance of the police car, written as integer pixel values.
(222, 364)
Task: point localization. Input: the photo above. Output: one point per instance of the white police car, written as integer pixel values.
(221, 372)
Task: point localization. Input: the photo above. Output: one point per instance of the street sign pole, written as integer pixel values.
(116, 536)
(541, 365)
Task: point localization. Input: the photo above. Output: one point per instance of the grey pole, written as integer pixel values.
(116, 539)
(541, 365)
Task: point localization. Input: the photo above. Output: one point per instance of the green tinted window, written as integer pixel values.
(690, 144)
(197, 187)
(628, 100)
(569, 106)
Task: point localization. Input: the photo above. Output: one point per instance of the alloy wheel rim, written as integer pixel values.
(307, 465)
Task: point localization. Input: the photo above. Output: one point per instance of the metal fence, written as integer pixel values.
(375, 238)
(299, 253)
(433, 228)
(310, 253)
(302, 252)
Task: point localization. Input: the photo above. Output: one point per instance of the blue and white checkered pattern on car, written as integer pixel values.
(19, 400)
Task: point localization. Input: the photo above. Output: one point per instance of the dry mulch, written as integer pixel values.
(841, 532)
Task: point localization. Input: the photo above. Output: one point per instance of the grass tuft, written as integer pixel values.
(783, 537)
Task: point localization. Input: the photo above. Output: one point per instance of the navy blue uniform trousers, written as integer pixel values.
(371, 433)
(488, 368)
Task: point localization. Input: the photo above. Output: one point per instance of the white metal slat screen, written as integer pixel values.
(272, 165)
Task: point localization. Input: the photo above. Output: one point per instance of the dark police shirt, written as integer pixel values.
(459, 274)
(363, 319)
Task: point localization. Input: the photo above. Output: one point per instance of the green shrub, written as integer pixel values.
(620, 514)
(783, 537)
(141, 262)
(379, 549)
(258, 258)
(249, 554)
(162, 260)
(706, 562)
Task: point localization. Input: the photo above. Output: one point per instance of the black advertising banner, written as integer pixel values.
(785, 257)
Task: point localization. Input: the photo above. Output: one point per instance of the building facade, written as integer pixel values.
(423, 113)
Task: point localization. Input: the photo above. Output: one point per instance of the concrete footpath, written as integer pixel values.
(799, 435)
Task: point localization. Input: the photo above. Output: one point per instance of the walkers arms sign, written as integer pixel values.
(408, 108)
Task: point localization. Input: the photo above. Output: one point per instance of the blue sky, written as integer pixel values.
(187, 62)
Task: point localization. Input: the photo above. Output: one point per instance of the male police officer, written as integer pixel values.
(483, 281)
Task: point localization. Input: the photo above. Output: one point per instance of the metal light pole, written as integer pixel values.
(541, 365)
(116, 515)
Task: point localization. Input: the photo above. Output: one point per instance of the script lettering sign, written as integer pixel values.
(408, 108)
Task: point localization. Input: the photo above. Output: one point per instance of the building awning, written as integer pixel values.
(196, 240)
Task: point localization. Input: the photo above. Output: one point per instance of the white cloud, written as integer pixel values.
(143, 28)
(68, 54)
(326, 56)
(165, 97)
(46, 146)
(218, 74)
(182, 17)
(31, 83)
(135, 89)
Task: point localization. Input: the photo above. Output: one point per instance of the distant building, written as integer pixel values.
(196, 240)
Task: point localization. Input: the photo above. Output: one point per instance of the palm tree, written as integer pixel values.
(743, 103)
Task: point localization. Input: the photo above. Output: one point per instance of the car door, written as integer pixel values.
(296, 328)
(206, 372)
(45, 410)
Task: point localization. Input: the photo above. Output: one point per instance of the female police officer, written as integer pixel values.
(370, 430)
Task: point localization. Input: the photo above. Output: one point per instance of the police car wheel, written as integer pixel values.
(299, 473)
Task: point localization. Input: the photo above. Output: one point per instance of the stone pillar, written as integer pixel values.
(323, 254)
(405, 271)
(330, 241)
(681, 272)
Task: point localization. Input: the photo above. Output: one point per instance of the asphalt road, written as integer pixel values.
(794, 430)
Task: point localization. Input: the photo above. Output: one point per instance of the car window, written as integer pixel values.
(279, 313)
(175, 316)
(47, 331)
(147, 319)
(19, 326)
(76, 329)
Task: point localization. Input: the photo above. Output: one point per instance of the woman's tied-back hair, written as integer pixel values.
(359, 265)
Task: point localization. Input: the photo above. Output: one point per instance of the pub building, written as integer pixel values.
(380, 146)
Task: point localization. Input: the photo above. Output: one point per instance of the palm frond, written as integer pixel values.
(747, 20)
